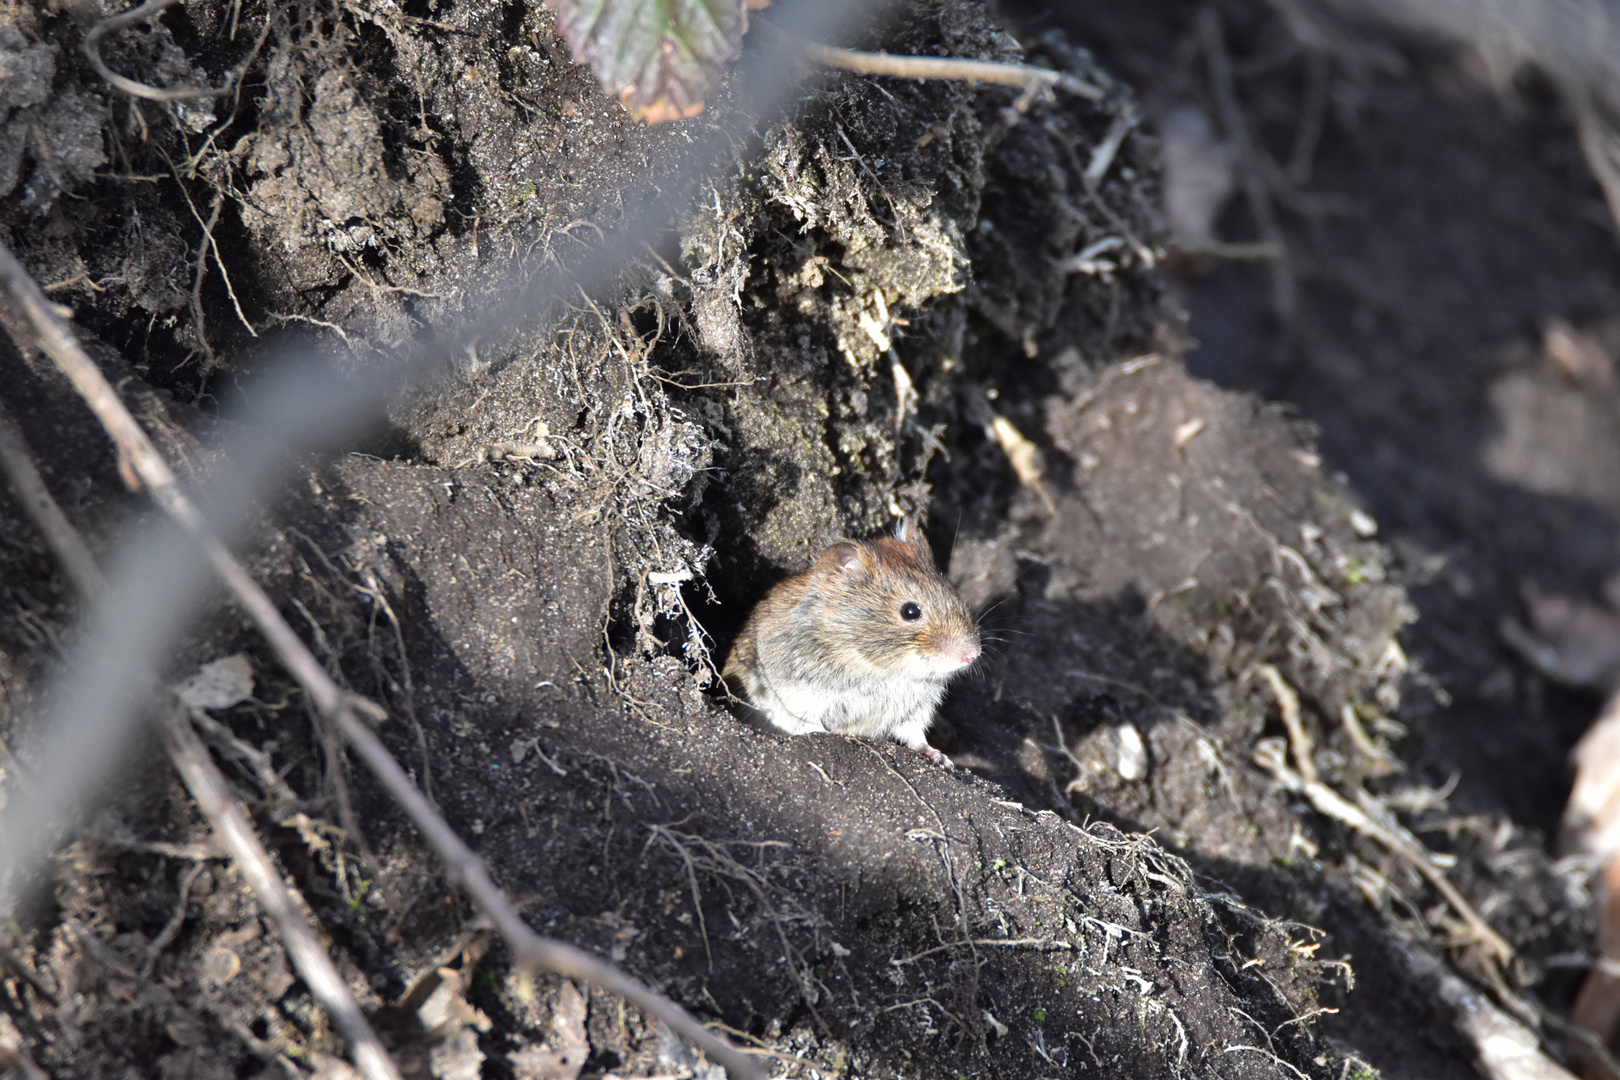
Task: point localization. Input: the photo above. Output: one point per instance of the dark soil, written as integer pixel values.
(1447, 221)
(536, 561)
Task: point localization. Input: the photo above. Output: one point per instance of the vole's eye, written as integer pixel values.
(910, 612)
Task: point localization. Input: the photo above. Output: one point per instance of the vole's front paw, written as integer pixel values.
(934, 755)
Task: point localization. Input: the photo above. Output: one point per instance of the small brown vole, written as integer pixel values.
(862, 643)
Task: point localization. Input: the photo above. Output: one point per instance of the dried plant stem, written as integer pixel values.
(235, 831)
(207, 786)
(1028, 78)
(140, 461)
(1299, 740)
(331, 701)
(58, 532)
(1024, 76)
(1397, 840)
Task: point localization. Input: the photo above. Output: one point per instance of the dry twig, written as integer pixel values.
(340, 707)
(207, 786)
(1032, 80)
(235, 830)
(58, 532)
(1506, 1048)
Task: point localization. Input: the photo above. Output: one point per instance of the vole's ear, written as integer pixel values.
(843, 557)
(910, 533)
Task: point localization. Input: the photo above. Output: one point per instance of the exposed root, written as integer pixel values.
(148, 10)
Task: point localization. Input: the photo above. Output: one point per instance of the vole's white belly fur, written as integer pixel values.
(888, 708)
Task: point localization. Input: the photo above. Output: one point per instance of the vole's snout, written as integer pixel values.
(964, 650)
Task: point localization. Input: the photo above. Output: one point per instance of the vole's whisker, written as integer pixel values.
(1003, 602)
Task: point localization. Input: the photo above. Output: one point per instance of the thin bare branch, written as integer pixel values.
(327, 697)
(1031, 80)
(190, 757)
(136, 451)
(1024, 76)
(530, 949)
(235, 830)
(58, 532)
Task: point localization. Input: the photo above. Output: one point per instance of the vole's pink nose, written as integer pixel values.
(954, 650)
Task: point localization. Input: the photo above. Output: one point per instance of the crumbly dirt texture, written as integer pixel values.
(1212, 539)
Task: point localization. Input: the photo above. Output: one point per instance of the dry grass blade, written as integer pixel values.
(136, 449)
(231, 825)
